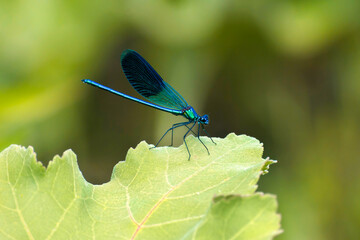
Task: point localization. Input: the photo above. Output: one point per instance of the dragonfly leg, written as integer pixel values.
(172, 131)
(203, 128)
(185, 140)
(191, 129)
(198, 136)
(176, 125)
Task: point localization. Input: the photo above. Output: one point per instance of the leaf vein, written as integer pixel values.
(173, 221)
(23, 222)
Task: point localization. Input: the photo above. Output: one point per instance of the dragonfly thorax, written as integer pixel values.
(190, 113)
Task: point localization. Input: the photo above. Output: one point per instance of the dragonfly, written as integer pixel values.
(160, 95)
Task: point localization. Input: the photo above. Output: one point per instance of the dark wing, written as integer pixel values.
(148, 83)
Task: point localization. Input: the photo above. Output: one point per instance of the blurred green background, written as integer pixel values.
(285, 72)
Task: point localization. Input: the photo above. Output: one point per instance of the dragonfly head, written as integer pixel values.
(204, 119)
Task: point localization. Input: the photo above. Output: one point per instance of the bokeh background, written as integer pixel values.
(285, 72)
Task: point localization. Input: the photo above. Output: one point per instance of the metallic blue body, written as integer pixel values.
(98, 85)
(148, 83)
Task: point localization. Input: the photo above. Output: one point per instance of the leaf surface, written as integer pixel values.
(240, 217)
(154, 194)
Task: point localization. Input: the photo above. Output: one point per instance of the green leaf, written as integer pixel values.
(154, 194)
(267, 164)
(240, 217)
